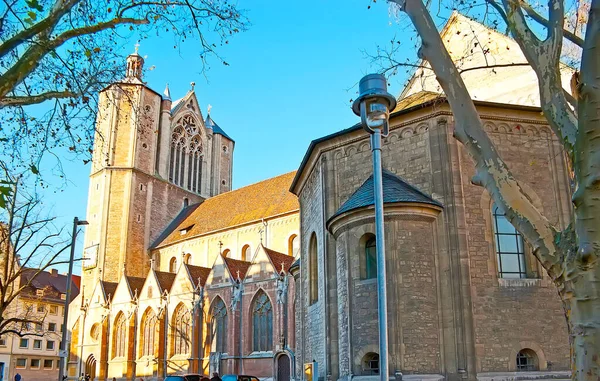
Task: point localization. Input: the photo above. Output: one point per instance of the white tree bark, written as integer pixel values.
(570, 257)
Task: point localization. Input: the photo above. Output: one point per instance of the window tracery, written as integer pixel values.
(181, 331)
(185, 163)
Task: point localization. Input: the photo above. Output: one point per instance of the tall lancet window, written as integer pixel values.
(185, 163)
(181, 330)
(149, 333)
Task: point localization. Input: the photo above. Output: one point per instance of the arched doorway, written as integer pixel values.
(90, 367)
(283, 368)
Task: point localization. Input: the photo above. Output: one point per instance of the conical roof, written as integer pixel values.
(395, 190)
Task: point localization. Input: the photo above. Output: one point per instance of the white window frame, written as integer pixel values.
(41, 345)
(17, 366)
(26, 345)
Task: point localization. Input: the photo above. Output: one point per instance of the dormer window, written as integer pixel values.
(39, 292)
(185, 230)
(63, 296)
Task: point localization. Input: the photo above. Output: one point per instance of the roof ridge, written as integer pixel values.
(249, 185)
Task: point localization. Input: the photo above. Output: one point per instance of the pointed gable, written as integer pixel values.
(237, 268)
(188, 102)
(164, 280)
(198, 275)
(474, 45)
(109, 289)
(219, 273)
(281, 262)
(135, 285)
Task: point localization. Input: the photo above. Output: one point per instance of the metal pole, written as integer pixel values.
(61, 370)
(380, 243)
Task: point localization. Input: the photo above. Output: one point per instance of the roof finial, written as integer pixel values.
(192, 84)
(209, 108)
(167, 92)
(137, 46)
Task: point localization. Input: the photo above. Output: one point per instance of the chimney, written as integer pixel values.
(54, 272)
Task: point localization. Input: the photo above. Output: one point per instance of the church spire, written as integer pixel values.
(135, 64)
(167, 93)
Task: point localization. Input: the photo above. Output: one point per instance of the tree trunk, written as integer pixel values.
(582, 310)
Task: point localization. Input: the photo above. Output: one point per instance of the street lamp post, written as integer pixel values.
(62, 352)
(373, 106)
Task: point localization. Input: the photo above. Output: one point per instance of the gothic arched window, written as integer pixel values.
(218, 326)
(185, 163)
(120, 336)
(181, 330)
(149, 334)
(262, 323)
(509, 247)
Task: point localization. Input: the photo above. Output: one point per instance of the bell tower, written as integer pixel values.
(129, 204)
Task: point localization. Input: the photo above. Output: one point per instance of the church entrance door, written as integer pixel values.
(283, 368)
(90, 367)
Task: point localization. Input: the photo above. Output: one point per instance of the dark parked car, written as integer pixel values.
(236, 377)
(184, 377)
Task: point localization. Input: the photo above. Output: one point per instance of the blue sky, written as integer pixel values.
(290, 80)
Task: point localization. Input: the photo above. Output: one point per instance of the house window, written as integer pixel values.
(37, 344)
(53, 310)
(262, 323)
(370, 364)
(218, 326)
(39, 292)
(149, 327)
(2, 342)
(509, 247)
(38, 327)
(23, 343)
(35, 364)
(41, 308)
(527, 361)
(21, 363)
(52, 327)
(293, 245)
(313, 270)
(173, 265)
(181, 331)
(368, 260)
(47, 364)
(49, 345)
(120, 337)
(246, 254)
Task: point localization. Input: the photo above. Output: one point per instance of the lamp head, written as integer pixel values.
(374, 103)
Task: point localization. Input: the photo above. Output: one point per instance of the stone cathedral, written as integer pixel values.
(181, 274)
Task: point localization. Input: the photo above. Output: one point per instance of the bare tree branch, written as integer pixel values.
(491, 171)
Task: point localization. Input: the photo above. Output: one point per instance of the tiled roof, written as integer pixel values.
(235, 265)
(248, 204)
(279, 260)
(416, 99)
(198, 273)
(109, 288)
(165, 280)
(53, 284)
(210, 123)
(185, 212)
(394, 190)
(135, 283)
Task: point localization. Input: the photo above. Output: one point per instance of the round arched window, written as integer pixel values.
(95, 332)
(527, 360)
(370, 364)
